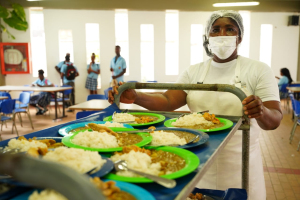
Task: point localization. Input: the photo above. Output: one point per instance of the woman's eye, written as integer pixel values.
(215, 30)
(230, 29)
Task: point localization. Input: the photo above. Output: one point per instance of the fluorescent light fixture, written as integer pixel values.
(250, 3)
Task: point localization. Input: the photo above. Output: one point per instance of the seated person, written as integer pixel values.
(42, 100)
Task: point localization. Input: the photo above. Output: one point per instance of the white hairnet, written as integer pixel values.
(216, 15)
(225, 13)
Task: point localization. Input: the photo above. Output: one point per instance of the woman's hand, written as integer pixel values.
(253, 106)
(128, 96)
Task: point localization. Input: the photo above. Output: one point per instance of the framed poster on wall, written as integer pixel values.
(15, 58)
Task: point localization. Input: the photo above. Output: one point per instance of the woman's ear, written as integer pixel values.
(239, 40)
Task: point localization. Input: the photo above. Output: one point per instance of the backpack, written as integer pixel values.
(71, 72)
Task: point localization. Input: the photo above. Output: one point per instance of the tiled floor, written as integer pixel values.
(39, 122)
(280, 159)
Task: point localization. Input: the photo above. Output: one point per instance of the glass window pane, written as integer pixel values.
(147, 52)
(266, 35)
(93, 45)
(65, 44)
(38, 45)
(121, 35)
(172, 32)
(196, 43)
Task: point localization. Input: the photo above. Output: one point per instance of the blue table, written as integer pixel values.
(206, 153)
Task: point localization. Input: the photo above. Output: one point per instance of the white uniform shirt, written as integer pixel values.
(258, 77)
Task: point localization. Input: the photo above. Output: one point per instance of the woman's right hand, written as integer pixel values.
(128, 96)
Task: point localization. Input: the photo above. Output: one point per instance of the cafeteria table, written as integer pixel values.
(207, 152)
(2, 98)
(100, 104)
(40, 89)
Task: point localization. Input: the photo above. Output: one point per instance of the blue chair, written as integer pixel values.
(106, 92)
(96, 96)
(151, 81)
(24, 99)
(24, 107)
(7, 108)
(296, 109)
(66, 99)
(84, 114)
(5, 94)
(131, 81)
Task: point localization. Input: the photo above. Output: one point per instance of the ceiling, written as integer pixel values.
(183, 5)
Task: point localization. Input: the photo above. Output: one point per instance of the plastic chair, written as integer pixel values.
(7, 108)
(284, 93)
(296, 109)
(131, 81)
(106, 92)
(96, 96)
(84, 114)
(5, 94)
(24, 99)
(66, 99)
(151, 81)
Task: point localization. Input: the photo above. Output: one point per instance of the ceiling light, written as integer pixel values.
(251, 3)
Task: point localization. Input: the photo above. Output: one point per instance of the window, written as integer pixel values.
(196, 43)
(172, 35)
(65, 44)
(38, 45)
(147, 52)
(93, 45)
(121, 34)
(244, 46)
(266, 35)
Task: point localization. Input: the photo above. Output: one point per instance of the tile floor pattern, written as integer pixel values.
(280, 159)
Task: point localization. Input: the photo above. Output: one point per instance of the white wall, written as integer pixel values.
(285, 41)
(284, 49)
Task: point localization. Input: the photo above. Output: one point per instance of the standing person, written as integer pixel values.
(118, 67)
(68, 73)
(285, 77)
(223, 33)
(60, 64)
(42, 100)
(93, 71)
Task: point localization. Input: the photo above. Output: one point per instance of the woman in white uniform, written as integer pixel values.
(224, 32)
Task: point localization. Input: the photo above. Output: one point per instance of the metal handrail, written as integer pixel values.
(245, 127)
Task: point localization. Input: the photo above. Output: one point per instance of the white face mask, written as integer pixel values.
(222, 46)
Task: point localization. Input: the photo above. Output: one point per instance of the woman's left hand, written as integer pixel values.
(253, 106)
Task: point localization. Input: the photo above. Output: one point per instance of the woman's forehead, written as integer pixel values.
(225, 21)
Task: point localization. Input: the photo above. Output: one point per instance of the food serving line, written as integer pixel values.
(207, 152)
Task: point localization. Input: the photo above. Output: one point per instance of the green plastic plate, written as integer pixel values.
(67, 140)
(192, 162)
(227, 124)
(160, 118)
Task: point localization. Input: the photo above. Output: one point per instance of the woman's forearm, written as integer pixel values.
(270, 119)
(168, 101)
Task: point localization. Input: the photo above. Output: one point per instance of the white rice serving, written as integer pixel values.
(77, 159)
(138, 161)
(192, 120)
(24, 145)
(46, 195)
(123, 117)
(112, 124)
(95, 139)
(166, 138)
